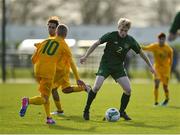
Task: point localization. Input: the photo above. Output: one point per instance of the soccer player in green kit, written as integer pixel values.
(118, 43)
(175, 27)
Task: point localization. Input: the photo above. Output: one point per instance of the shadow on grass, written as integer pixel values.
(144, 125)
(174, 107)
(71, 129)
(80, 119)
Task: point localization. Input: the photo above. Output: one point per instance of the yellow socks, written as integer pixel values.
(78, 89)
(47, 109)
(37, 100)
(156, 95)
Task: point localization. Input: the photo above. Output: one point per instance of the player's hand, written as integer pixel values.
(83, 59)
(80, 83)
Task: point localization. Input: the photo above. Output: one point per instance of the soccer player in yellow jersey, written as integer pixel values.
(163, 58)
(62, 79)
(52, 24)
(48, 54)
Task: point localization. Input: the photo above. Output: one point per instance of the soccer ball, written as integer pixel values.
(112, 114)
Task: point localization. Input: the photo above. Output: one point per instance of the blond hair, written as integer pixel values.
(62, 30)
(124, 22)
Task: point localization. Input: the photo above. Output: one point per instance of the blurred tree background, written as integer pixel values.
(26, 19)
(102, 12)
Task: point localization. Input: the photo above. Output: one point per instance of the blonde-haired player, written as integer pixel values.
(118, 43)
(48, 54)
(163, 58)
(62, 79)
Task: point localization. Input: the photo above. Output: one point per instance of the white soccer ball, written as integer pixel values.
(112, 114)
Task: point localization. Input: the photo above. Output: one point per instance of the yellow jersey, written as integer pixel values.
(63, 66)
(47, 55)
(163, 55)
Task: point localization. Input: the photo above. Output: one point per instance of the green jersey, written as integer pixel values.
(176, 24)
(117, 48)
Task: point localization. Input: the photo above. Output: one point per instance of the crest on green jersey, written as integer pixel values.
(126, 46)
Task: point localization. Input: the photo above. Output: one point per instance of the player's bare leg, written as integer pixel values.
(57, 102)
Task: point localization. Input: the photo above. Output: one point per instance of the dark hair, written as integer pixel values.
(162, 35)
(54, 19)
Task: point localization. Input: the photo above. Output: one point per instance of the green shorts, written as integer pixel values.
(116, 72)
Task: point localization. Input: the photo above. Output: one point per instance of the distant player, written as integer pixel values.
(163, 58)
(175, 27)
(118, 43)
(48, 54)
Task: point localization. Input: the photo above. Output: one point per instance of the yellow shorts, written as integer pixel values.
(163, 76)
(61, 80)
(45, 85)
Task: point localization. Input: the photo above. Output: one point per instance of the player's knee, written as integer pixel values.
(46, 98)
(127, 91)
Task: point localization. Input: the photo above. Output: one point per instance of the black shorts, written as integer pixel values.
(116, 72)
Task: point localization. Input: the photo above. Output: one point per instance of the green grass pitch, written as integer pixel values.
(146, 118)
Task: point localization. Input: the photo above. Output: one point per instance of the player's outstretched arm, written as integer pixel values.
(76, 74)
(74, 70)
(89, 51)
(145, 58)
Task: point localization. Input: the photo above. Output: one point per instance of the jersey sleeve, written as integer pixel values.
(35, 55)
(105, 38)
(74, 69)
(176, 24)
(37, 45)
(72, 63)
(150, 47)
(135, 46)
